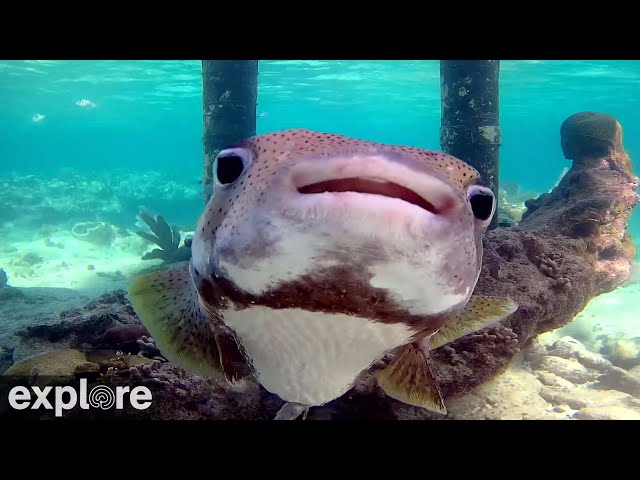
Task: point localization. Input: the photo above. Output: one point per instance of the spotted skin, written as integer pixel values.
(278, 148)
(251, 206)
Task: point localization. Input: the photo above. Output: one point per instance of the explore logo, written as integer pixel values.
(66, 397)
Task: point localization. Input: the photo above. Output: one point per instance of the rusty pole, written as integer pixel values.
(229, 98)
(470, 120)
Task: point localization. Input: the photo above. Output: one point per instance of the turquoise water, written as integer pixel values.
(147, 114)
(94, 141)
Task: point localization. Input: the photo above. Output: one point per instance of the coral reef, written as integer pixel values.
(78, 328)
(20, 307)
(60, 363)
(586, 382)
(4, 279)
(112, 196)
(148, 346)
(106, 324)
(98, 233)
(167, 238)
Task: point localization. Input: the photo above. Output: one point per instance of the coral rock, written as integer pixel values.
(635, 371)
(122, 337)
(76, 327)
(553, 380)
(619, 379)
(582, 397)
(608, 413)
(60, 363)
(514, 395)
(568, 369)
(593, 360)
(624, 353)
(98, 233)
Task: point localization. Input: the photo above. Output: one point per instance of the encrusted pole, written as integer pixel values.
(470, 122)
(229, 98)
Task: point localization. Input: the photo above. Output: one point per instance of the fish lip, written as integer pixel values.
(369, 186)
(379, 176)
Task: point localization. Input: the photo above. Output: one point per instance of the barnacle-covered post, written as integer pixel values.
(470, 128)
(229, 98)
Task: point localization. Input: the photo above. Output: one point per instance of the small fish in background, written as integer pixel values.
(84, 103)
(37, 118)
(316, 256)
(263, 114)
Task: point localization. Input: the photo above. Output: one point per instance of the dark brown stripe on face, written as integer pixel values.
(334, 290)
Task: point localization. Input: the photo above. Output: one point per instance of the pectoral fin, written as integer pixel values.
(168, 305)
(480, 312)
(409, 379)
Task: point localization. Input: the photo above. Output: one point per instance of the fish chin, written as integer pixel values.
(426, 264)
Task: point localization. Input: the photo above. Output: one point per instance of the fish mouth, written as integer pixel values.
(371, 186)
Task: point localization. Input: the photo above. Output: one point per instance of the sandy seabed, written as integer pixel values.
(62, 261)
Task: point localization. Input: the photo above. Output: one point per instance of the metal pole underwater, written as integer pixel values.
(229, 99)
(470, 116)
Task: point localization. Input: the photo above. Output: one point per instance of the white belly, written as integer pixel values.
(310, 357)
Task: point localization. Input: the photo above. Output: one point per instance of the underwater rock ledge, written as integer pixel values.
(571, 246)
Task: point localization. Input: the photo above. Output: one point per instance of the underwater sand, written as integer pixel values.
(529, 391)
(72, 263)
(60, 272)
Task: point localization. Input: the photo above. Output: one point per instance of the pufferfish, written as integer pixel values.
(316, 256)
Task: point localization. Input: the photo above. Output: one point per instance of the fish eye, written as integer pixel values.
(482, 202)
(230, 164)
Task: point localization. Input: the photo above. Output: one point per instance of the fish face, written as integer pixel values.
(318, 254)
(358, 216)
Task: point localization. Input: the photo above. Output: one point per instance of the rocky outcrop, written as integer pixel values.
(21, 307)
(106, 322)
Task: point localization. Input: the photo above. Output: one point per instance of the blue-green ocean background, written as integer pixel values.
(148, 114)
